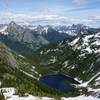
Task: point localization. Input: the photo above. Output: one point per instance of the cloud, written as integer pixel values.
(95, 19)
(28, 18)
(80, 2)
(47, 19)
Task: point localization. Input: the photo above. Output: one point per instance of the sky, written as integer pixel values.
(55, 12)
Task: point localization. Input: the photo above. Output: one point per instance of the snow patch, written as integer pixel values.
(98, 79)
(88, 49)
(3, 30)
(53, 60)
(75, 41)
(83, 97)
(30, 97)
(8, 92)
(29, 75)
(21, 56)
(46, 29)
(65, 64)
(85, 84)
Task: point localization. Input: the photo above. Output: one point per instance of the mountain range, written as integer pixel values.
(30, 52)
(80, 56)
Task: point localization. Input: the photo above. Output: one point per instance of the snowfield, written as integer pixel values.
(9, 95)
(30, 98)
(81, 98)
(47, 98)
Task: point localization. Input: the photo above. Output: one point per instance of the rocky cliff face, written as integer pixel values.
(6, 56)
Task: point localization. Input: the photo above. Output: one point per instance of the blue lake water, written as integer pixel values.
(59, 81)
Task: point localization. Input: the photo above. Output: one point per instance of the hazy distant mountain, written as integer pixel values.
(71, 30)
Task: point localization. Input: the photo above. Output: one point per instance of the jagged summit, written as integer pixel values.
(12, 23)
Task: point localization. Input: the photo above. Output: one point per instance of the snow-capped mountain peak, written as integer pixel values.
(46, 29)
(87, 42)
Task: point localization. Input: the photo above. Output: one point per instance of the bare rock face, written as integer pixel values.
(6, 57)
